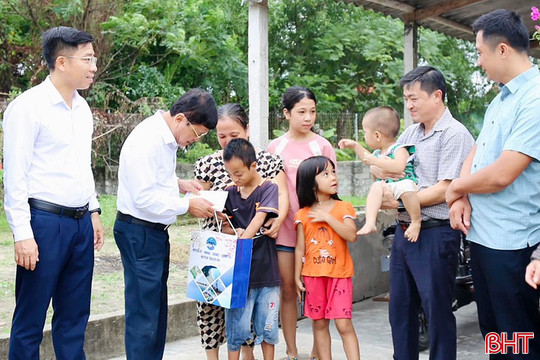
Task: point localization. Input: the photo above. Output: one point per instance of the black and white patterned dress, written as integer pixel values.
(210, 169)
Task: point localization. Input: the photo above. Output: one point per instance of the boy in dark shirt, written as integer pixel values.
(250, 202)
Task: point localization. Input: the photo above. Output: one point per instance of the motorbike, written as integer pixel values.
(463, 286)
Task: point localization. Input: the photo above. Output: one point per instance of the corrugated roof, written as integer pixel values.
(453, 18)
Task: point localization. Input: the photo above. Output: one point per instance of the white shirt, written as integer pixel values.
(147, 182)
(47, 154)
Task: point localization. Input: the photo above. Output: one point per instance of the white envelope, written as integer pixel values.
(216, 197)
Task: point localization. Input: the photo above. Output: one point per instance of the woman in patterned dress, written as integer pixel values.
(210, 172)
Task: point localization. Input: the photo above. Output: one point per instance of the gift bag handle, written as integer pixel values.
(219, 223)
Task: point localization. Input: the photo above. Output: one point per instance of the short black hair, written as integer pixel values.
(430, 79)
(241, 149)
(294, 95)
(306, 186)
(503, 25)
(62, 38)
(198, 106)
(384, 119)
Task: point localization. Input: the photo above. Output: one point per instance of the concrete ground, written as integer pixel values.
(371, 323)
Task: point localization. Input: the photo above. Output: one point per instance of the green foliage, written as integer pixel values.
(345, 155)
(151, 51)
(192, 43)
(466, 98)
(350, 57)
(277, 133)
(150, 82)
(195, 152)
(13, 93)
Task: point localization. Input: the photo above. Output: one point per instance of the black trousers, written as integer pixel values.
(505, 302)
(145, 256)
(424, 272)
(63, 274)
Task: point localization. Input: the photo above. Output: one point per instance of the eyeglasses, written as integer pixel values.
(91, 60)
(197, 135)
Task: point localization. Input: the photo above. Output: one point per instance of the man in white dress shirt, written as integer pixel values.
(50, 199)
(148, 202)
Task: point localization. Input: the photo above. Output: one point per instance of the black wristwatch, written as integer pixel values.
(98, 210)
(401, 207)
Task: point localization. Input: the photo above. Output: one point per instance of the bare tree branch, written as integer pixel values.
(85, 13)
(32, 16)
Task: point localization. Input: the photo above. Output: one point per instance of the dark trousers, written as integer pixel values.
(63, 273)
(145, 256)
(424, 273)
(505, 302)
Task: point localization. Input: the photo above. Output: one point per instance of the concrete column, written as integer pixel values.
(410, 58)
(258, 72)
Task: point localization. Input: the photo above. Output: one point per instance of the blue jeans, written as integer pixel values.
(262, 308)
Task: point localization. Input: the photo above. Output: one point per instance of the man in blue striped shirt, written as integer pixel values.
(495, 201)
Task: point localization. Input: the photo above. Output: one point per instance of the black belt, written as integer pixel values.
(74, 212)
(427, 224)
(133, 220)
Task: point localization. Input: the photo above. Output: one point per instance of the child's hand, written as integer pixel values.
(299, 288)
(346, 143)
(222, 217)
(318, 215)
(224, 223)
(369, 159)
(240, 232)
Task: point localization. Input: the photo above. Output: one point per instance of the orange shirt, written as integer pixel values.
(326, 253)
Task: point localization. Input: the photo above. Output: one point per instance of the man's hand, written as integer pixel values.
(451, 194)
(99, 231)
(272, 227)
(381, 174)
(532, 274)
(200, 208)
(26, 253)
(388, 199)
(460, 215)
(191, 186)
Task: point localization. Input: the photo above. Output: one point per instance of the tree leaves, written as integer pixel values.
(349, 56)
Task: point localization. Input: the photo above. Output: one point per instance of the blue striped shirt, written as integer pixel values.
(510, 219)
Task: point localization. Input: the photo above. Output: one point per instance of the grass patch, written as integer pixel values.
(108, 282)
(108, 210)
(357, 201)
(4, 226)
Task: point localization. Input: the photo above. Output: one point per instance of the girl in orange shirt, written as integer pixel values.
(323, 264)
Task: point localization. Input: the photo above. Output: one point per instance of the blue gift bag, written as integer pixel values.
(219, 268)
